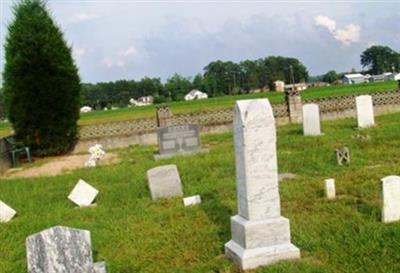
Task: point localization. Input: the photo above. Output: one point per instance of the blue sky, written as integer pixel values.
(125, 39)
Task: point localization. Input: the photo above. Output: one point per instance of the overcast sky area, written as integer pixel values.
(114, 40)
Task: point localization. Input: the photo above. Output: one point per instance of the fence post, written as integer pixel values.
(164, 116)
(293, 99)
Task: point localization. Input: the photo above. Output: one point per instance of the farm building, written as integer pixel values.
(381, 77)
(196, 95)
(353, 78)
(296, 87)
(279, 86)
(142, 101)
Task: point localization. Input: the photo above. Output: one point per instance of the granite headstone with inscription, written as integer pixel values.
(178, 139)
(61, 249)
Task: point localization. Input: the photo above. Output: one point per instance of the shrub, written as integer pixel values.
(41, 81)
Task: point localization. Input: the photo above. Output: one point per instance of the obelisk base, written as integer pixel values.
(262, 242)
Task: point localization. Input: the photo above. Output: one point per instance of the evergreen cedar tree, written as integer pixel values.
(41, 81)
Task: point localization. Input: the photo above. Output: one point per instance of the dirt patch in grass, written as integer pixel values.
(56, 165)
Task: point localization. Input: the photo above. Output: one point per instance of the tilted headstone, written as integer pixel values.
(178, 139)
(164, 182)
(343, 155)
(83, 194)
(330, 190)
(311, 122)
(365, 111)
(260, 235)
(62, 250)
(6, 213)
(390, 198)
(192, 200)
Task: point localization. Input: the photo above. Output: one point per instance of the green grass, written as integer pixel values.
(219, 103)
(134, 234)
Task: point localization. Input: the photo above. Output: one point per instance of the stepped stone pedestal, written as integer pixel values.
(260, 235)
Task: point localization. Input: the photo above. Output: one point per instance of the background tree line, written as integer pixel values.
(219, 78)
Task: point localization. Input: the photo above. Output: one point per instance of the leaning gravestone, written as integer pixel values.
(83, 194)
(62, 250)
(260, 235)
(6, 213)
(365, 111)
(311, 122)
(164, 182)
(391, 198)
(178, 139)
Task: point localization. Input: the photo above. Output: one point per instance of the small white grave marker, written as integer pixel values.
(311, 121)
(6, 213)
(330, 190)
(192, 200)
(391, 198)
(83, 194)
(365, 111)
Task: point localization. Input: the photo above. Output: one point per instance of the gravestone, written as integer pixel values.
(330, 190)
(191, 200)
(365, 111)
(343, 155)
(62, 250)
(390, 198)
(83, 194)
(6, 213)
(178, 139)
(164, 182)
(260, 235)
(311, 122)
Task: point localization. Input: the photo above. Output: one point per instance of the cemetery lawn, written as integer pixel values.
(223, 102)
(134, 234)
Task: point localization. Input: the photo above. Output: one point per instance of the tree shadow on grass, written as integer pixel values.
(219, 214)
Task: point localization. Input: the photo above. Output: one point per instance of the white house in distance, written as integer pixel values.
(297, 86)
(142, 101)
(196, 95)
(279, 86)
(86, 109)
(353, 78)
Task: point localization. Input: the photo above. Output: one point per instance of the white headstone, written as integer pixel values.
(330, 190)
(311, 122)
(61, 249)
(260, 235)
(365, 111)
(83, 194)
(164, 182)
(6, 213)
(192, 200)
(391, 198)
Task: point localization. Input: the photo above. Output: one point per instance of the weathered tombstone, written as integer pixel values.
(391, 198)
(260, 235)
(62, 250)
(330, 190)
(365, 111)
(6, 212)
(164, 116)
(191, 200)
(178, 139)
(343, 155)
(83, 194)
(311, 122)
(164, 182)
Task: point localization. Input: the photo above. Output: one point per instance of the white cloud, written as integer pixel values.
(78, 52)
(122, 58)
(325, 21)
(83, 17)
(130, 51)
(347, 35)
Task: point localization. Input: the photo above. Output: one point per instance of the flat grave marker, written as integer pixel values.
(83, 194)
